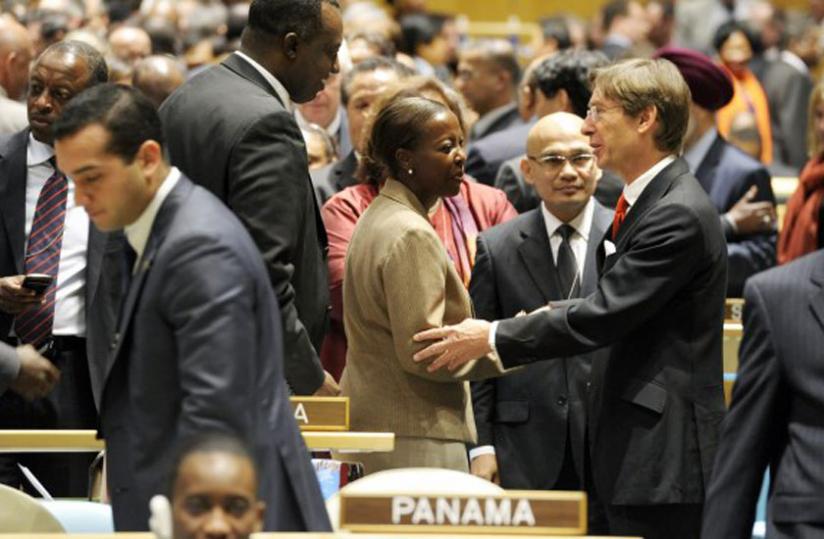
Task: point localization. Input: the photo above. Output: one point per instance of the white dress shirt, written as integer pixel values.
(70, 296)
(276, 85)
(137, 233)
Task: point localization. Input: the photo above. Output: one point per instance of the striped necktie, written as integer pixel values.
(34, 325)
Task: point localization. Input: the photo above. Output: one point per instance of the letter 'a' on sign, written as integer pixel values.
(321, 413)
(514, 512)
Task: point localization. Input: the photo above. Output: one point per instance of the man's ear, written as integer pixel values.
(260, 510)
(526, 168)
(291, 42)
(149, 157)
(647, 118)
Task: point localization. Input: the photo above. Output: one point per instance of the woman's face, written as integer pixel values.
(438, 163)
(736, 52)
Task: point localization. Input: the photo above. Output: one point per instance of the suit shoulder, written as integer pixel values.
(503, 143)
(779, 279)
(13, 142)
(732, 157)
(504, 233)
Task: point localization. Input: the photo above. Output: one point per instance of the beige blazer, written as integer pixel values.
(398, 281)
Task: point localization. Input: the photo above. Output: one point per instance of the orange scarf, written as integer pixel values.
(799, 235)
(749, 96)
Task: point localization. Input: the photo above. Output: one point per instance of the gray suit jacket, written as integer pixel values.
(334, 178)
(199, 348)
(775, 417)
(227, 129)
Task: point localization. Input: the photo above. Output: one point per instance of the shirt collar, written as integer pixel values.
(276, 85)
(633, 191)
(138, 232)
(795, 61)
(695, 154)
(38, 152)
(486, 121)
(331, 129)
(581, 223)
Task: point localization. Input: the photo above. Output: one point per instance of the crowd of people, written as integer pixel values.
(513, 256)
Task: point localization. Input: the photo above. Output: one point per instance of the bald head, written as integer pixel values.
(157, 77)
(16, 51)
(560, 164)
(130, 44)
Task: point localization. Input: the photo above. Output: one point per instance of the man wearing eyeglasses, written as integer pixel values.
(531, 423)
(658, 306)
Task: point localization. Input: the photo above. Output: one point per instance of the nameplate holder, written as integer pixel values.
(321, 413)
(513, 512)
(734, 310)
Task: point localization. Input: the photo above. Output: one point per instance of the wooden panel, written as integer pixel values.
(733, 332)
(512, 512)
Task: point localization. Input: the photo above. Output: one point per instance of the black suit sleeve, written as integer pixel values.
(269, 194)
(751, 254)
(751, 430)
(485, 302)
(661, 256)
(478, 168)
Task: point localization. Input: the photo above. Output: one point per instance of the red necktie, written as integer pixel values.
(620, 214)
(43, 256)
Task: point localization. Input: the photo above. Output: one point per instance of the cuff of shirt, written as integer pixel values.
(481, 450)
(494, 353)
(9, 367)
(729, 225)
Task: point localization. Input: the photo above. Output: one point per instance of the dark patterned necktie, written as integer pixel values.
(34, 325)
(567, 265)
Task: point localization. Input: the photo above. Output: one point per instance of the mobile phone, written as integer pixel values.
(38, 282)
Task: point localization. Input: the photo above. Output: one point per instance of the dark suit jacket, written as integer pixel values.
(486, 156)
(726, 173)
(510, 180)
(199, 348)
(775, 418)
(660, 305)
(509, 117)
(102, 287)
(526, 415)
(334, 178)
(249, 152)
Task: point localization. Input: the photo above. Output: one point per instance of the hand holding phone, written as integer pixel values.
(37, 282)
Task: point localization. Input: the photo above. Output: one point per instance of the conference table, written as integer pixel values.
(308, 535)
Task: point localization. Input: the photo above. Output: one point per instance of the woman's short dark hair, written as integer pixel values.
(418, 29)
(723, 33)
(399, 124)
(125, 113)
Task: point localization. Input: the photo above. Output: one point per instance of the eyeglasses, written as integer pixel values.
(554, 162)
(595, 113)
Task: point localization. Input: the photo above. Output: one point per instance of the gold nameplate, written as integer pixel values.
(321, 413)
(511, 512)
(734, 310)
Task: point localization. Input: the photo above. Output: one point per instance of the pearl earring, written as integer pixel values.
(410, 171)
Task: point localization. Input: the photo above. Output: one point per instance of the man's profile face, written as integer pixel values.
(364, 90)
(214, 497)
(55, 78)
(318, 56)
(113, 193)
(477, 82)
(612, 134)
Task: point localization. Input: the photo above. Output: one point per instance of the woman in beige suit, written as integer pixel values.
(399, 280)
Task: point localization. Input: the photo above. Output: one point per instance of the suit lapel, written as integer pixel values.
(94, 260)
(536, 255)
(706, 170)
(652, 193)
(817, 299)
(13, 194)
(601, 222)
(345, 172)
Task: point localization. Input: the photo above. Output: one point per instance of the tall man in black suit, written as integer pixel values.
(44, 231)
(230, 129)
(198, 346)
(738, 185)
(659, 305)
(775, 417)
(531, 423)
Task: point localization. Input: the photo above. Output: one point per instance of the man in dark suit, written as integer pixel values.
(44, 231)
(230, 129)
(659, 305)
(198, 346)
(738, 185)
(361, 87)
(559, 83)
(531, 423)
(775, 414)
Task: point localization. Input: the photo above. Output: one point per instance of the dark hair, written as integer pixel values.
(400, 123)
(571, 71)
(613, 10)
(384, 45)
(498, 53)
(418, 29)
(209, 442)
(96, 66)
(128, 116)
(163, 34)
(556, 28)
(376, 63)
(723, 33)
(279, 17)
